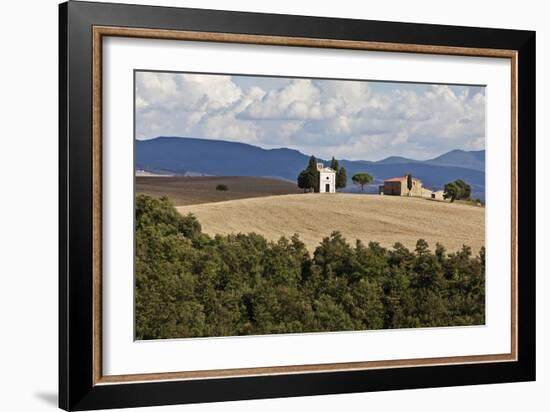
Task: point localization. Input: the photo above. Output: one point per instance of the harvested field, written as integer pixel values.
(194, 190)
(384, 219)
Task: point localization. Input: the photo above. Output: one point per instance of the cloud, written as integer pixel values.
(299, 100)
(347, 119)
(186, 92)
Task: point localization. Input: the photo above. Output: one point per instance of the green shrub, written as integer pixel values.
(222, 187)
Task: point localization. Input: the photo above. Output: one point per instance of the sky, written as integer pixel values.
(347, 119)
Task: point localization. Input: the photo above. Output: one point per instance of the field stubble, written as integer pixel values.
(383, 219)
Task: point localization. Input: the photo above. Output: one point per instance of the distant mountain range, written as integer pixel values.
(192, 156)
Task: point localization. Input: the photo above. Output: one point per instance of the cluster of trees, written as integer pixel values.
(189, 284)
(457, 190)
(308, 179)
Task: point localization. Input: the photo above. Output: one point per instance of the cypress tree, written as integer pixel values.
(341, 178)
(309, 177)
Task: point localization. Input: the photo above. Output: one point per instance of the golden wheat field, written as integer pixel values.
(384, 219)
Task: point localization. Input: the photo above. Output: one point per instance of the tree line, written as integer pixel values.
(189, 284)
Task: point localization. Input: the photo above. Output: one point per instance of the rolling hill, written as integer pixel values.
(192, 156)
(384, 219)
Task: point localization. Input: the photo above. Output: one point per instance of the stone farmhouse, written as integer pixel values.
(327, 179)
(397, 186)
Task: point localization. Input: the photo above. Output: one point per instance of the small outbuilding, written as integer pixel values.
(438, 195)
(327, 179)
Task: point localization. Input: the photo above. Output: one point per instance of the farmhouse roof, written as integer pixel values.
(400, 179)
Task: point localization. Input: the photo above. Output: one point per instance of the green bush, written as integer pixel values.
(189, 284)
(457, 190)
(222, 187)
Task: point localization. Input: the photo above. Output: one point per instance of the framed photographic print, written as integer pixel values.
(256, 205)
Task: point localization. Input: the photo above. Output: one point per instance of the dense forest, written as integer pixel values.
(189, 284)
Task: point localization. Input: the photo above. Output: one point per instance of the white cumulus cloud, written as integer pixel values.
(346, 119)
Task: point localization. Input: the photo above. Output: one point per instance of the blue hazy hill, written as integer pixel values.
(180, 156)
(470, 160)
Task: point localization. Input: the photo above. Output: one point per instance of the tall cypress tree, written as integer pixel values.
(314, 174)
(341, 178)
(309, 177)
(409, 183)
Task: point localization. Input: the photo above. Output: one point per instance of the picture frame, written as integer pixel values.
(83, 27)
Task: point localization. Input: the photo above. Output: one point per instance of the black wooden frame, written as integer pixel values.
(76, 388)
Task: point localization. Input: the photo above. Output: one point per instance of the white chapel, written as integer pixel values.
(327, 179)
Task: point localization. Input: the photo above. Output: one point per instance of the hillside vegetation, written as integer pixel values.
(383, 219)
(189, 284)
